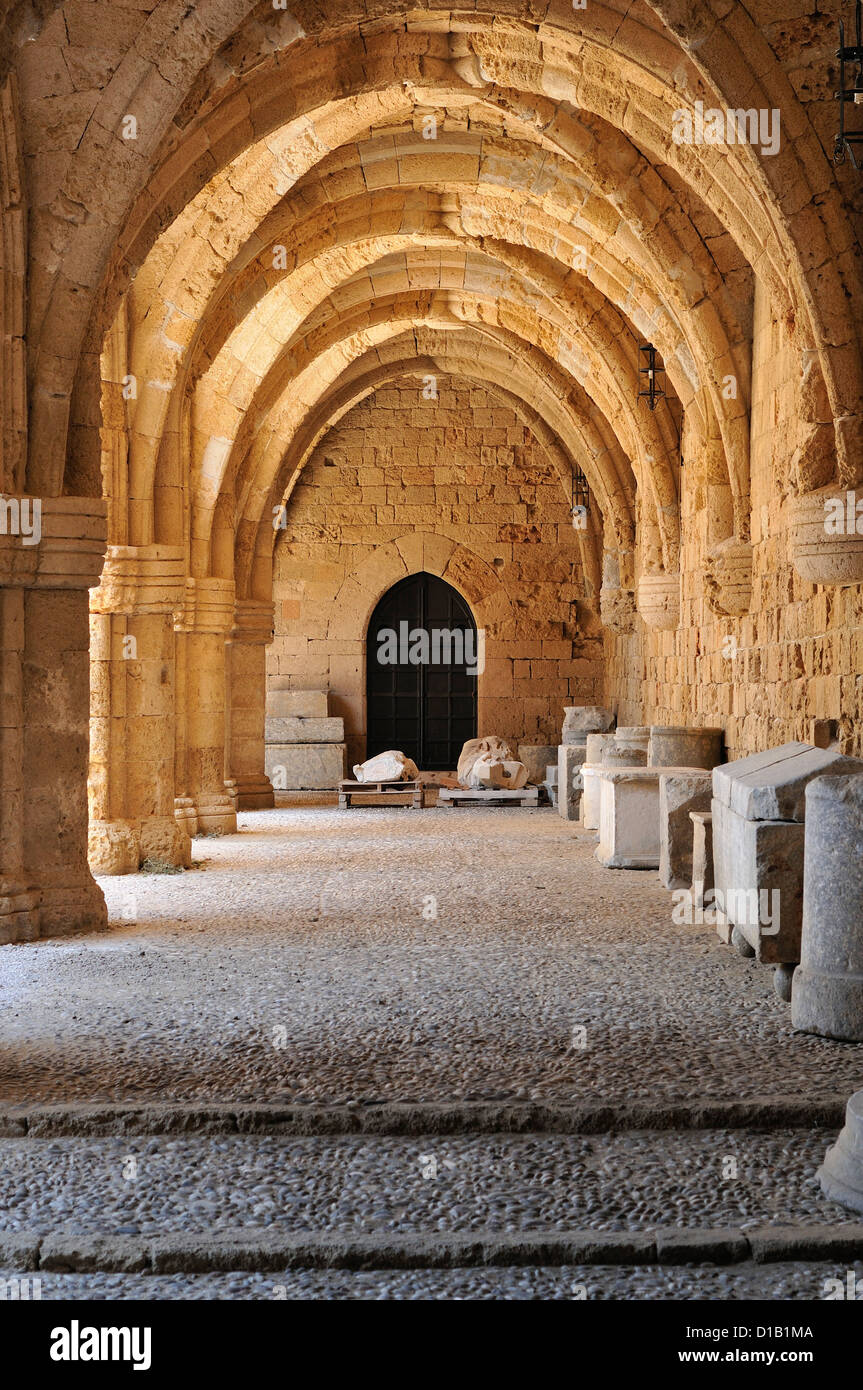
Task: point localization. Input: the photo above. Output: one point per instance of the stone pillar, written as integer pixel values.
(133, 710)
(827, 993)
(247, 674)
(206, 797)
(46, 888)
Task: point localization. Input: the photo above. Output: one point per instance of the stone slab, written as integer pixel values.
(772, 785)
(305, 766)
(297, 704)
(702, 856)
(301, 730)
(679, 794)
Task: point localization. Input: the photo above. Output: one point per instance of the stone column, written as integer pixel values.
(46, 888)
(247, 675)
(133, 710)
(827, 990)
(205, 796)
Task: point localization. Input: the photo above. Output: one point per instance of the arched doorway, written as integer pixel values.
(421, 673)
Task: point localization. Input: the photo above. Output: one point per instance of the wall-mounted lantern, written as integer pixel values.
(580, 499)
(849, 53)
(654, 390)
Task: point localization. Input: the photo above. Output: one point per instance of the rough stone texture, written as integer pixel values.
(827, 994)
(670, 747)
(680, 793)
(581, 720)
(456, 486)
(306, 766)
(297, 704)
(570, 784)
(297, 729)
(751, 857)
(536, 759)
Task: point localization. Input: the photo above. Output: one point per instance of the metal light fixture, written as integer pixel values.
(849, 53)
(580, 499)
(654, 391)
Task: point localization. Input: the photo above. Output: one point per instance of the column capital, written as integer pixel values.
(141, 579)
(51, 542)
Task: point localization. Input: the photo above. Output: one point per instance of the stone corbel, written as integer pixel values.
(254, 622)
(659, 600)
(728, 577)
(824, 542)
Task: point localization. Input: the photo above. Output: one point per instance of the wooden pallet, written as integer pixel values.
(488, 796)
(374, 792)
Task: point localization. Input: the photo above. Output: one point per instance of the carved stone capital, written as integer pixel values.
(825, 545)
(728, 577)
(659, 600)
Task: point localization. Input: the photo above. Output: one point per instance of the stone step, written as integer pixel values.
(540, 1199)
(799, 1280)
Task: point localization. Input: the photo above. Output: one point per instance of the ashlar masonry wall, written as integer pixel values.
(797, 655)
(458, 487)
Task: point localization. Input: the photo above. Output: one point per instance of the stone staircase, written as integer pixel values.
(402, 1201)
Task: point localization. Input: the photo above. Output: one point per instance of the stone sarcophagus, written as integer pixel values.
(759, 807)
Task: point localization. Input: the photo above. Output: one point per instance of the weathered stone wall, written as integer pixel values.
(459, 487)
(798, 654)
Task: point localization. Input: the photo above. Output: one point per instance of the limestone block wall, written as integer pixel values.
(797, 655)
(459, 487)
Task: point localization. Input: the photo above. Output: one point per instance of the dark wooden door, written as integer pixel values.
(424, 707)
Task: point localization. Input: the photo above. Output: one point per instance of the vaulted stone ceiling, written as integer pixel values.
(320, 197)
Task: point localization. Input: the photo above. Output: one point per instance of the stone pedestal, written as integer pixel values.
(46, 888)
(635, 737)
(682, 747)
(828, 988)
(305, 748)
(596, 746)
(536, 758)
(628, 818)
(702, 856)
(841, 1173)
(570, 784)
(758, 812)
(681, 791)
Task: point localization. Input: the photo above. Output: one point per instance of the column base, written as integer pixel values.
(830, 1006)
(841, 1173)
(186, 815)
(216, 814)
(121, 846)
(254, 793)
(71, 909)
(19, 912)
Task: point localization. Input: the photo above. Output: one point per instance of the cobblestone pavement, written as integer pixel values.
(502, 1183)
(304, 961)
(803, 1281)
(323, 958)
